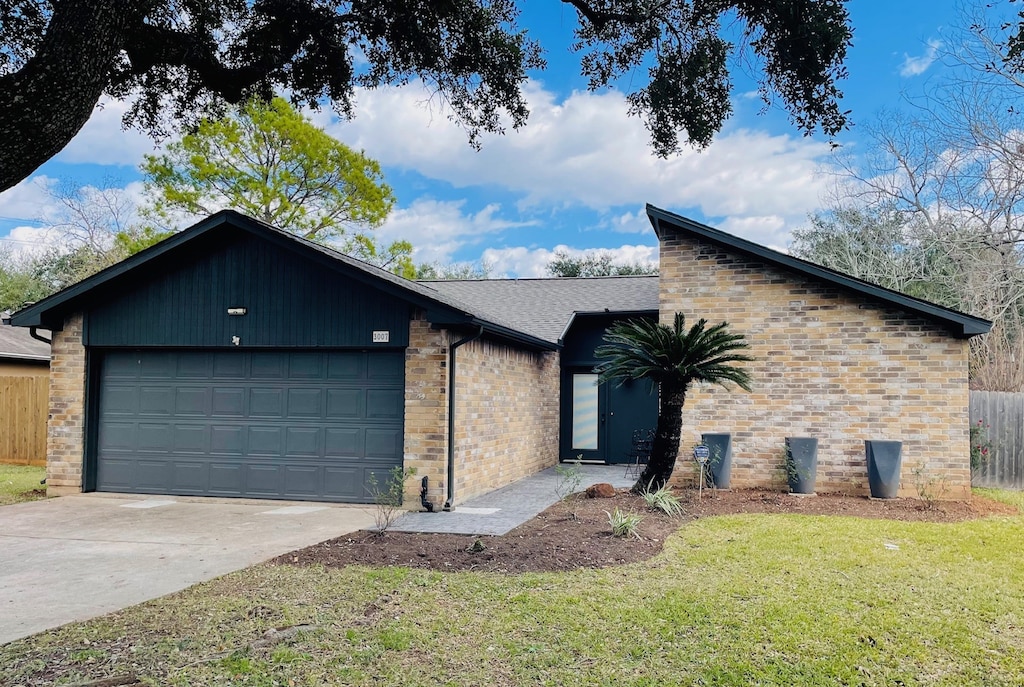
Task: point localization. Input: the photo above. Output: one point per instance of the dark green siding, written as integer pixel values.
(290, 301)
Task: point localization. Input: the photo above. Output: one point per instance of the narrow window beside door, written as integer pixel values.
(584, 412)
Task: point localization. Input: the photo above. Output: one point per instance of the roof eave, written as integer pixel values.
(960, 324)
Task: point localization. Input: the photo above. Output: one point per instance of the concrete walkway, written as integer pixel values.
(505, 509)
(78, 557)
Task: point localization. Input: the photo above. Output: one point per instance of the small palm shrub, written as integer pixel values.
(664, 500)
(624, 524)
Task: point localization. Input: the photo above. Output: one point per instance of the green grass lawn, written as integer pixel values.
(738, 600)
(19, 482)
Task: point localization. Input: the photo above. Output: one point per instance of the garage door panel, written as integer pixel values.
(267, 403)
(302, 481)
(153, 475)
(263, 480)
(227, 439)
(344, 484)
(191, 438)
(119, 400)
(155, 437)
(117, 472)
(385, 404)
(388, 366)
(267, 366)
(382, 443)
(228, 402)
(228, 366)
(305, 403)
(121, 367)
(342, 365)
(156, 400)
(304, 366)
(192, 401)
(343, 442)
(345, 404)
(302, 441)
(193, 366)
(155, 365)
(189, 477)
(266, 441)
(118, 436)
(249, 423)
(226, 479)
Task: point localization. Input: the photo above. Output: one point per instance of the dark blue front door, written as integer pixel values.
(601, 418)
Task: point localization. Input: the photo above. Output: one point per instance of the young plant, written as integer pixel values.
(624, 524)
(664, 500)
(388, 497)
(570, 477)
(930, 489)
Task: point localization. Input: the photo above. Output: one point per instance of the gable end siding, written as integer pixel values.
(289, 301)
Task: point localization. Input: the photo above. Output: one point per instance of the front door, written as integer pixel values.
(602, 417)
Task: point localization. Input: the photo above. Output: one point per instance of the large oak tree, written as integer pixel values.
(178, 60)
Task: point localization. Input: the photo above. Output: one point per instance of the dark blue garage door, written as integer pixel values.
(268, 424)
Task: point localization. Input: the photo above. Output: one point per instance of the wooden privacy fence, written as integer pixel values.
(23, 409)
(1003, 414)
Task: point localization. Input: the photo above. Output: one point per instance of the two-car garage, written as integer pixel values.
(309, 425)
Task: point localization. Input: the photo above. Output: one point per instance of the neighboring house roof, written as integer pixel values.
(16, 344)
(546, 307)
(961, 324)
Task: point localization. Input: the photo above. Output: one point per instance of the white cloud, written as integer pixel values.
(914, 66)
(438, 228)
(103, 141)
(585, 151)
(520, 261)
(768, 230)
(29, 201)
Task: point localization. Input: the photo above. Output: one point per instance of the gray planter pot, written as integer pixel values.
(721, 458)
(801, 464)
(884, 463)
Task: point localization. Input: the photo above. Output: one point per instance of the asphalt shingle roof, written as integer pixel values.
(17, 343)
(544, 307)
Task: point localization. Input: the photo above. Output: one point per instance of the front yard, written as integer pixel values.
(21, 483)
(731, 600)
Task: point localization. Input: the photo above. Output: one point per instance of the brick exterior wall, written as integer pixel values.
(65, 428)
(828, 365)
(507, 410)
(426, 411)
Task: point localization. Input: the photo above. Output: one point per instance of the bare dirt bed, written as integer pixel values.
(576, 534)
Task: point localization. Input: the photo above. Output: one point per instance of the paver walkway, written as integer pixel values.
(505, 509)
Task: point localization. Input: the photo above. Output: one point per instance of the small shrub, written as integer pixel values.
(930, 489)
(388, 497)
(981, 445)
(664, 500)
(624, 524)
(570, 477)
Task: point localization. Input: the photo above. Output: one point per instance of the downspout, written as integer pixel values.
(451, 413)
(37, 336)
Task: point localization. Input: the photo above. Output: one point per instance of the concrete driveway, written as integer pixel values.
(77, 557)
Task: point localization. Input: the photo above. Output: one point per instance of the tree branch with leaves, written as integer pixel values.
(179, 62)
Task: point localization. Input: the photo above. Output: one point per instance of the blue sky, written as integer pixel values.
(578, 175)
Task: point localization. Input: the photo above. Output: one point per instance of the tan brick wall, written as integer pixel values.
(829, 365)
(506, 416)
(65, 430)
(426, 411)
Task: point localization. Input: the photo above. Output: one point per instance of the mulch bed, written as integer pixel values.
(576, 534)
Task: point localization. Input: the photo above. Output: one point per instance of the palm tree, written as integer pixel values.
(673, 358)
